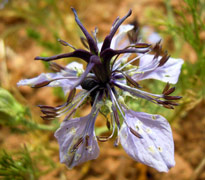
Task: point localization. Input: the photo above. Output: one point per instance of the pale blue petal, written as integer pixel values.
(150, 36)
(116, 42)
(39, 79)
(99, 44)
(154, 38)
(69, 133)
(75, 66)
(119, 41)
(70, 73)
(156, 147)
(148, 69)
(66, 84)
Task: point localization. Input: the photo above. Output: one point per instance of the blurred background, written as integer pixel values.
(29, 28)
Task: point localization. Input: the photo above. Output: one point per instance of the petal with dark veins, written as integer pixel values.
(68, 136)
(66, 84)
(117, 41)
(156, 147)
(148, 69)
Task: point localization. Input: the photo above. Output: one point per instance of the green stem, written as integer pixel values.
(37, 126)
(46, 127)
(100, 130)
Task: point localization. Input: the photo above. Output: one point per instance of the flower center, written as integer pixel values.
(89, 83)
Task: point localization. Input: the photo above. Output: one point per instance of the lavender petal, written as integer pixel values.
(118, 38)
(156, 147)
(55, 79)
(69, 134)
(169, 72)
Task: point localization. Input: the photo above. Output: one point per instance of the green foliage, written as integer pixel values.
(142, 105)
(16, 116)
(36, 16)
(24, 164)
(19, 166)
(11, 112)
(186, 24)
(58, 91)
(32, 33)
(183, 24)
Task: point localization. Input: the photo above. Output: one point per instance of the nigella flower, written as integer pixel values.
(108, 78)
